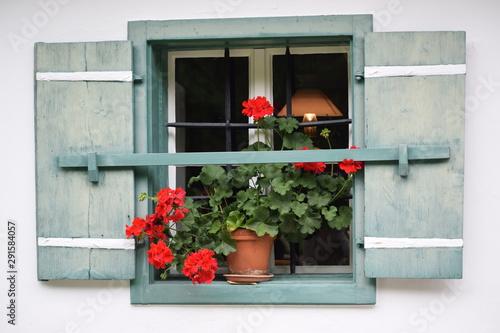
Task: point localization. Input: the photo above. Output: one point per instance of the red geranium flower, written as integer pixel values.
(351, 166)
(200, 266)
(159, 255)
(315, 167)
(177, 214)
(163, 209)
(171, 197)
(257, 108)
(154, 227)
(136, 228)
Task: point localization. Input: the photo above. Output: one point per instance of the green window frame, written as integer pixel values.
(152, 40)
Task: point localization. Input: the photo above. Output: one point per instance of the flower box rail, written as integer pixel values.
(402, 155)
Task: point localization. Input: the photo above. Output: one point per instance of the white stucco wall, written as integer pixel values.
(468, 305)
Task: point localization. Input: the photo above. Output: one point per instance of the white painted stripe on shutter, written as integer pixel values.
(388, 71)
(402, 243)
(122, 76)
(91, 243)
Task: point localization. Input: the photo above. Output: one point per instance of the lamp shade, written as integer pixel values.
(312, 101)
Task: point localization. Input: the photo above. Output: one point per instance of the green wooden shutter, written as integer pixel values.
(83, 101)
(414, 86)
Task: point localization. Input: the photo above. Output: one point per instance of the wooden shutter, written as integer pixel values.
(83, 106)
(414, 96)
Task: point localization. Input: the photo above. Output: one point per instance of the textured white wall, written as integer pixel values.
(468, 305)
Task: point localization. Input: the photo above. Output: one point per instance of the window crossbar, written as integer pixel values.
(336, 122)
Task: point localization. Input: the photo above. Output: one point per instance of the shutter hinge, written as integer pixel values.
(359, 76)
(360, 242)
(138, 78)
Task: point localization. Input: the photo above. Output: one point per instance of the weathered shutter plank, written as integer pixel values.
(415, 110)
(81, 117)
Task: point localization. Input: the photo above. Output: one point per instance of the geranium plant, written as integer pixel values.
(292, 199)
(176, 239)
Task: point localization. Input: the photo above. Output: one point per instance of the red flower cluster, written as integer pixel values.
(136, 228)
(159, 255)
(168, 209)
(200, 266)
(169, 201)
(152, 227)
(257, 108)
(351, 166)
(316, 167)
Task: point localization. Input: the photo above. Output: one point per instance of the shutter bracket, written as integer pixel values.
(92, 167)
(403, 160)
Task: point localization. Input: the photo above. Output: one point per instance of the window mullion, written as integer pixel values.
(229, 98)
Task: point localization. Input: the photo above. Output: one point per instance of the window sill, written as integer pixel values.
(304, 289)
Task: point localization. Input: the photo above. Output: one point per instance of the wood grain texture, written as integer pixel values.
(80, 118)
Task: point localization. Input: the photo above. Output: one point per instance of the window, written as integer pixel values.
(267, 70)
(198, 114)
(410, 124)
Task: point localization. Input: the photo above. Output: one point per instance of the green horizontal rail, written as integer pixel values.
(402, 154)
(222, 158)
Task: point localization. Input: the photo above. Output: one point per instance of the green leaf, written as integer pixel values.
(249, 206)
(221, 192)
(329, 213)
(297, 141)
(271, 171)
(242, 197)
(211, 173)
(280, 202)
(268, 122)
(257, 146)
(318, 198)
(280, 186)
(189, 220)
(308, 180)
(226, 244)
(239, 177)
(261, 228)
(299, 208)
(287, 125)
(215, 227)
(332, 184)
(288, 224)
(235, 220)
(310, 222)
(261, 214)
(343, 220)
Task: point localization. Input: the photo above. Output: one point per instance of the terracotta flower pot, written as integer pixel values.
(252, 255)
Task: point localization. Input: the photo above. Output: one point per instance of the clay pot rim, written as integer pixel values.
(248, 234)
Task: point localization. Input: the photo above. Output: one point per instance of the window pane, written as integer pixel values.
(200, 97)
(327, 74)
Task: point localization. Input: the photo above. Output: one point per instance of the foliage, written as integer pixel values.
(291, 199)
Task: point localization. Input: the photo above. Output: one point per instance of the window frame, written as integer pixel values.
(151, 137)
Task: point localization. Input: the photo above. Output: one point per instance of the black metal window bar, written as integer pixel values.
(230, 127)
